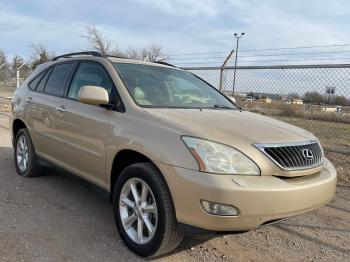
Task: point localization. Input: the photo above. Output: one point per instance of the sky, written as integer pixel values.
(179, 26)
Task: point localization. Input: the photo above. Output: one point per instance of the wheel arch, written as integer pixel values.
(17, 125)
(125, 158)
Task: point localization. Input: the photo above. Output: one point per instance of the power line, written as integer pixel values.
(259, 50)
(204, 53)
(297, 47)
(200, 63)
(303, 59)
(304, 53)
(262, 55)
(266, 61)
(198, 58)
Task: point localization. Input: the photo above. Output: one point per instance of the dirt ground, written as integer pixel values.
(56, 217)
(5, 94)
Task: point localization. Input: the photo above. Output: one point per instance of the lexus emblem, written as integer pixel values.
(307, 154)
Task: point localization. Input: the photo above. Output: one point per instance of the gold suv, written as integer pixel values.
(176, 155)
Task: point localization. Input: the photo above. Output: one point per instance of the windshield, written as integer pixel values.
(155, 86)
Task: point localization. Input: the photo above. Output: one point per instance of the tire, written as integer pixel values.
(31, 168)
(166, 237)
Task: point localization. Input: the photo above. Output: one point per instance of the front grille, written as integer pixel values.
(293, 156)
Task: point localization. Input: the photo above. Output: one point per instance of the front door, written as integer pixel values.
(83, 128)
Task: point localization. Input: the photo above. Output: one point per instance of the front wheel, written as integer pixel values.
(144, 212)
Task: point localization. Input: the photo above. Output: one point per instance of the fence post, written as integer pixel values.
(17, 77)
(222, 69)
(221, 79)
(17, 74)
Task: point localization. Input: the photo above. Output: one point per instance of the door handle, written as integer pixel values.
(61, 109)
(29, 100)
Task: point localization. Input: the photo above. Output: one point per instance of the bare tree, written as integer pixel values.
(18, 61)
(151, 53)
(117, 52)
(40, 54)
(313, 98)
(155, 53)
(97, 41)
(134, 53)
(293, 95)
(3, 58)
(340, 101)
(4, 66)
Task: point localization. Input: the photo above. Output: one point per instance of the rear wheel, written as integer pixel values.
(24, 154)
(144, 212)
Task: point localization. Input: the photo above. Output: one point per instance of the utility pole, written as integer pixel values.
(234, 72)
(17, 73)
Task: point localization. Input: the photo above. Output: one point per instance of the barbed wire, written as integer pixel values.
(302, 59)
(263, 55)
(261, 50)
(297, 47)
(267, 61)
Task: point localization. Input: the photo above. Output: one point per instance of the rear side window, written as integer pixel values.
(89, 74)
(57, 79)
(32, 85)
(42, 83)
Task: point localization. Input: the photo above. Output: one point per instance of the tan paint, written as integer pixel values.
(93, 95)
(86, 138)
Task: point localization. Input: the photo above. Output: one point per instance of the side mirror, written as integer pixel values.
(93, 95)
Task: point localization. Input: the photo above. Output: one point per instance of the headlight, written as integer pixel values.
(218, 158)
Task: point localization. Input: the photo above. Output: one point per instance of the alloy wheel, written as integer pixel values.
(22, 155)
(138, 211)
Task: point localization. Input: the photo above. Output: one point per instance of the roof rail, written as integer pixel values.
(164, 63)
(98, 54)
(90, 53)
(117, 56)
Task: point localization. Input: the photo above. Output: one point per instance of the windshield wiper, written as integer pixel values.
(222, 106)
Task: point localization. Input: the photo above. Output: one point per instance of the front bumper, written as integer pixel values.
(259, 199)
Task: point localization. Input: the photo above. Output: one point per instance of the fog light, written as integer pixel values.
(219, 209)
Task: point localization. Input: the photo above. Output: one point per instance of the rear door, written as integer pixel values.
(42, 104)
(82, 127)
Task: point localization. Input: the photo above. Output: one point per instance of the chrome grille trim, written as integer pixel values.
(289, 156)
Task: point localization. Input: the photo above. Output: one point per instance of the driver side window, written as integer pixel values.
(89, 74)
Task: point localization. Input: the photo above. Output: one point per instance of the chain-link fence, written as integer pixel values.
(11, 75)
(313, 97)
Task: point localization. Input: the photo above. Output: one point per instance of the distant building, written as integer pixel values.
(331, 108)
(297, 101)
(294, 101)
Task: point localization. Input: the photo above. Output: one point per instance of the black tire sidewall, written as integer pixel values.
(147, 175)
(31, 153)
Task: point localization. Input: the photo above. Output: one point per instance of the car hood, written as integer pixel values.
(232, 127)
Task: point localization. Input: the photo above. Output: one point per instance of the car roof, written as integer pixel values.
(96, 56)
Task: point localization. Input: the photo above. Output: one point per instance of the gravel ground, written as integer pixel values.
(58, 218)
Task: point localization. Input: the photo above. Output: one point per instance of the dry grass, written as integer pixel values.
(5, 108)
(342, 164)
(280, 108)
(4, 101)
